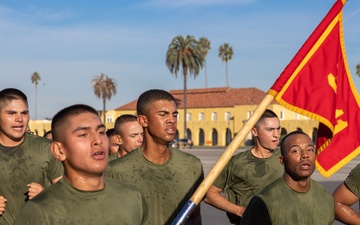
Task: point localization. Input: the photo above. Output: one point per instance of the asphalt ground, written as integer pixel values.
(210, 155)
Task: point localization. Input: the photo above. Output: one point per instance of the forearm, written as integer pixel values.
(346, 214)
(222, 203)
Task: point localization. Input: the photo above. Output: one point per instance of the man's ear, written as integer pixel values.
(118, 139)
(281, 159)
(142, 120)
(254, 132)
(58, 151)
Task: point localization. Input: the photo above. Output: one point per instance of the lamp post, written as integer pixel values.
(233, 119)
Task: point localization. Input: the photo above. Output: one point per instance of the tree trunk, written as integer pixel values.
(104, 112)
(185, 103)
(205, 74)
(227, 79)
(36, 100)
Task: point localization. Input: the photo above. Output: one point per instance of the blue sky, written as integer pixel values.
(68, 42)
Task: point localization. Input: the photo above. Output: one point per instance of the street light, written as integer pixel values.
(233, 119)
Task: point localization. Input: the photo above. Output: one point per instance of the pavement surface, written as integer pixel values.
(209, 156)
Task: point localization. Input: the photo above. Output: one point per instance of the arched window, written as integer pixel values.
(201, 137)
(228, 136)
(214, 137)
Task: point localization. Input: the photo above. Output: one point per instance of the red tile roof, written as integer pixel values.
(212, 97)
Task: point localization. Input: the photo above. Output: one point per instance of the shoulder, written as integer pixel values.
(241, 157)
(277, 152)
(118, 185)
(122, 190)
(50, 196)
(181, 160)
(120, 167)
(320, 188)
(31, 213)
(355, 172)
(36, 143)
(352, 181)
(126, 159)
(113, 157)
(34, 138)
(178, 154)
(274, 188)
(243, 154)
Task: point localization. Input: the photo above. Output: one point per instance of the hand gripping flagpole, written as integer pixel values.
(200, 192)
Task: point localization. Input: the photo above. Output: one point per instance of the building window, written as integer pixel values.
(227, 116)
(282, 115)
(201, 116)
(109, 118)
(213, 116)
(188, 116)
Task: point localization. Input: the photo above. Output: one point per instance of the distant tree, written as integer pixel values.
(205, 47)
(35, 78)
(104, 88)
(358, 69)
(185, 54)
(226, 53)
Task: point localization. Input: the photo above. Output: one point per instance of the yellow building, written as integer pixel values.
(214, 115)
(40, 127)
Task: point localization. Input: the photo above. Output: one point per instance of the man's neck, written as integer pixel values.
(260, 152)
(121, 152)
(156, 153)
(301, 185)
(7, 142)
(86, 183)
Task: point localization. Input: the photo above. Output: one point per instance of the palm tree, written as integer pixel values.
(226, 53)
(185, 54)
(358, 69)
(35, 78)
(205, 47)
(104, 88)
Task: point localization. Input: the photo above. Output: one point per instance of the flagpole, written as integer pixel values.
(222, 161)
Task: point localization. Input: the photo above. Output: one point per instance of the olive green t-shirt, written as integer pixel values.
(113, 156)
(278, 204)
(246, 175)
(31, 161)
(353, 180)
(62, 204)
(166, 187)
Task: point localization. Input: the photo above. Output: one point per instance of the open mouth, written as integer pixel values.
(170, 131)
(18, 128)
(99, 155)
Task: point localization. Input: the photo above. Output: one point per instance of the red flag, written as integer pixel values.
(317, 83)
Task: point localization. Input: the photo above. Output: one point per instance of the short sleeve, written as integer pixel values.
(256, 213)
(353, 181)
(31, 214)
(221, 180)
(56, 169)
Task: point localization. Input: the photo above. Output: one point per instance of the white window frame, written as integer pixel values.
(213, 116)
(188, 117)
(227, 116)
(201, 116)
